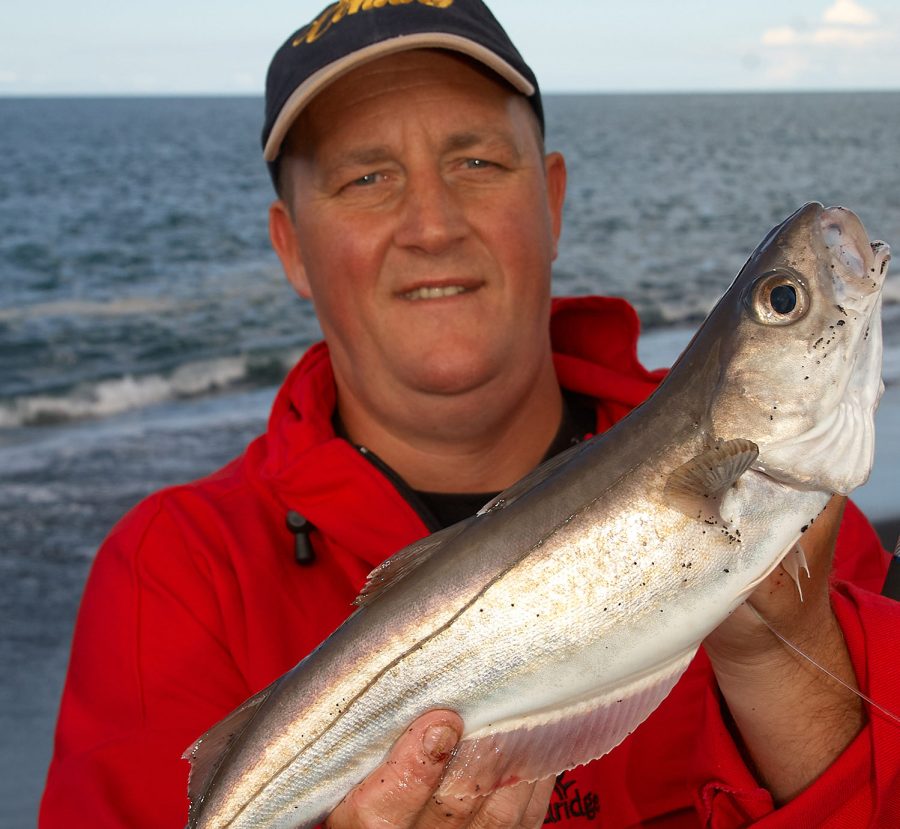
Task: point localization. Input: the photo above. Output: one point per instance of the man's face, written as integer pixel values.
(423, 223)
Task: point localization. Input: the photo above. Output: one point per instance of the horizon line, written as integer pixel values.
(544, 92)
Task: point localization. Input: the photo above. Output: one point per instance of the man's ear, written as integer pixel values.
(284, 239)
(555, 171)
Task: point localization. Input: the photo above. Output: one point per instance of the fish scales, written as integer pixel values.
(560, 616)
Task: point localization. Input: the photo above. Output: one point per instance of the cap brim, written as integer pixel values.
(315, 83)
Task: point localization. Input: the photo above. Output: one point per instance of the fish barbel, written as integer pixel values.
(561, 615)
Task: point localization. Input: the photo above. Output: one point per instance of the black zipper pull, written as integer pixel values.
(301, 528)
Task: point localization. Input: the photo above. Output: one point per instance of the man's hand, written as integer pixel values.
(792, 718)
(400, 794)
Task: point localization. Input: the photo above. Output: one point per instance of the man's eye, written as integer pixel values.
(367, 180)
(478, 164)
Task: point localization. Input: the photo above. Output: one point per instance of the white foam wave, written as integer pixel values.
(122, 394)
(83, 308)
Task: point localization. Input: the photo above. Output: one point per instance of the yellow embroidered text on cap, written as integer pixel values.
(338, 11)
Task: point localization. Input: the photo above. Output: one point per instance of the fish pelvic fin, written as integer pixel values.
(539, 745)
(793, 563)
(696, 488)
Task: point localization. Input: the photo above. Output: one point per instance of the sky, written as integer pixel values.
(106, 47)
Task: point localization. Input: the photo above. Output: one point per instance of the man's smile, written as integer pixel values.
(438, 291)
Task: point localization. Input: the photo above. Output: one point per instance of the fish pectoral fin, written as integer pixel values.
(206, 753)
(535, 746)
(405, 561)
(696, 488)
(793, 562)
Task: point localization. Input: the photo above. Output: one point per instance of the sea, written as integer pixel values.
(145, 322)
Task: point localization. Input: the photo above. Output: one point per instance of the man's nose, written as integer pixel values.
(432, 217)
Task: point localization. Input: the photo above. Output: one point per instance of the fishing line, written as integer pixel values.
(890, 714)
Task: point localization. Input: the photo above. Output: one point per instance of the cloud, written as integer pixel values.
(849, 13)
(845, 23)
(780, 36)
(847, 37)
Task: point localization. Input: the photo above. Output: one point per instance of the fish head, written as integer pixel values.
(799, 351)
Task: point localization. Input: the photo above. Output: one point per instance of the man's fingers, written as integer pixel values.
(536, 810)
(522, 806)
(395, 793)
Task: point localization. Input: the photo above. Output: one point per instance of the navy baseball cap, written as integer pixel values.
(349, 33)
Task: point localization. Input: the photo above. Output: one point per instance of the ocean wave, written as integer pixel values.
(85, 308)
(117, 395)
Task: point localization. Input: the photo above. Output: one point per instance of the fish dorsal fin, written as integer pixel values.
(405, 561)
(532, 479)
(696, 487)
(207, 753)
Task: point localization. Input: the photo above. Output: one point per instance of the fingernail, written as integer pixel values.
(439, 741)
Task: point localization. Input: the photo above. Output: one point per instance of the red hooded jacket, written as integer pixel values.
(195, 602)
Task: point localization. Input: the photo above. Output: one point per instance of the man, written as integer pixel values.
(419, 213)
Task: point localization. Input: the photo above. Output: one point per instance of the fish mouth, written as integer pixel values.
(859, 265)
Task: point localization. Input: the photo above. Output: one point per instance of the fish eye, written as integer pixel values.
(779, 298)
(783, 299)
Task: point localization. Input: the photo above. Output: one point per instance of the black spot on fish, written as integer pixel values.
(726, 570)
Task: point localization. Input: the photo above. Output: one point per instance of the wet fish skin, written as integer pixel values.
(559, 617)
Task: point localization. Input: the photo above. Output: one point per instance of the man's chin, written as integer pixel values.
(451, 374)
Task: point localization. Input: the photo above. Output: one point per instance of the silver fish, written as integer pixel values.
(659, 528)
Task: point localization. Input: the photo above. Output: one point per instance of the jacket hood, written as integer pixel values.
(305, 466)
